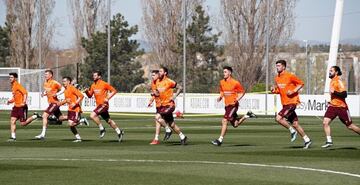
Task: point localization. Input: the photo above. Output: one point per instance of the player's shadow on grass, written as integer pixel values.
(344, 148)
(238, 145)
(82, 140)
(295, 147)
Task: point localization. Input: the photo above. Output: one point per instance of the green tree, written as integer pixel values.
(4, 46)
(126, 72)
(203, 54)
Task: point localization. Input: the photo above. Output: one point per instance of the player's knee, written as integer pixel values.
(278, 118)
(350, 127)
(93, 115)
(157, 117)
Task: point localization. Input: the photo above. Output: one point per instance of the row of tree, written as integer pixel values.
(241, 29)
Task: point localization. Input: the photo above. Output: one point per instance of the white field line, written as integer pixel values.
(192, 162)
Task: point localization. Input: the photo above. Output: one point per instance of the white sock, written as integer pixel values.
(167, 129)
(246, 116)
(43, 132)
(13, 135)
(221, 139)
(33, 116)
(77, 136)
(182, 136)
(292, 130)
(101, 127)
(156, 137)
(328, 139)
(117, 130)
(306, 138)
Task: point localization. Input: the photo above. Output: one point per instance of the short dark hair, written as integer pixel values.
(15, 75)
(228, 68)
(282, 62)
(67, 78)
(49, 71)
(337, 69)
(166, 70)
(98, 73)
(155, 71)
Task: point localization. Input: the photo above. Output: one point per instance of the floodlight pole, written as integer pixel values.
(184, 53)
(267, 55)
(109, 42)
(335, 37)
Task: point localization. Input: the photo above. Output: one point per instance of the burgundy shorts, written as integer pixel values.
(20, 113)
(288, 112)
(53, 109)
(342, 112)
(103, 111)
(157, 110)
(74, 116)
(166, 113)
(231, 112)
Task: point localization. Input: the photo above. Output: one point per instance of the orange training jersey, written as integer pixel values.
(71, 95)
(52, 87)
(19, 93)
(338, 86)
(165, 88)
(284, 82)
(156, 98)
(100, 90)
(229, 89)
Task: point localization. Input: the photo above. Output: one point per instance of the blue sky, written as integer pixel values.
(313, 19)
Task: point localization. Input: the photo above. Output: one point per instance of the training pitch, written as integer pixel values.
(257, 152)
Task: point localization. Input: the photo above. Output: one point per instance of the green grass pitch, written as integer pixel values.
(258, 152)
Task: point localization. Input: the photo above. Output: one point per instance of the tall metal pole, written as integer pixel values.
(308, 91)
(184, 54)
(335, 37)
(40, 66)
(267, 55)
(57, 66)
(109, 42)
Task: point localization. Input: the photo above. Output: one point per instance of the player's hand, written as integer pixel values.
(72, 105)
(43, 94)
(272, 88)
(54, 95)
(8, 103)
(58, 103)
(332, 90)
(106, 100)
(219, 99)
(149, 105)
(290, 92)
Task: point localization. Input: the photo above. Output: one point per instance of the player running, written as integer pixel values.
(288, 86)
(52, 90)
(337, 107)
(102, 92)
(164, 89)
(73, 98)
(20, 109)
(232, 91)
(168, 131)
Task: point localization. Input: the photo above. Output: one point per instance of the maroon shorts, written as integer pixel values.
(231, 112)
(54, 109)
(103, 111)
(74, 116)
(342, 112)
(288, 112)
(166, 113)
(20, 113)
(157, 110)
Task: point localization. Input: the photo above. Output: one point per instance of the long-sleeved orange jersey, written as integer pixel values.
(285, 82)
(338, 86)
(229, 90)
(19, 93)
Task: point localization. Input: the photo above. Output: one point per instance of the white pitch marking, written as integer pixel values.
(198, 162)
